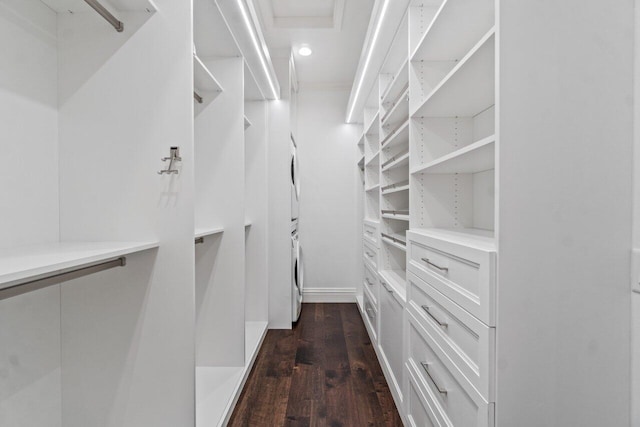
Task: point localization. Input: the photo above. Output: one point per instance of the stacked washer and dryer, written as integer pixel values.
(297, 269)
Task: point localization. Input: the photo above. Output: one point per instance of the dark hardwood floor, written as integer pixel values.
(322, 373)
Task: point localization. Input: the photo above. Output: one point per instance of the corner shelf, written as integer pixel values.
(469, 88)
(19, 265)
(476, 157)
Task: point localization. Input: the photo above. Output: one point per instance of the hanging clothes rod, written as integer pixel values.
(56, 278)
(197, 97)
(102, 11)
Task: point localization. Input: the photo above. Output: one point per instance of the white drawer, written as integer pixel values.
(463, 272)
(459, 403)
(420, 412)
(371, 233)
(370, 255)
(370, 317)
(371, 283)
(469, 343)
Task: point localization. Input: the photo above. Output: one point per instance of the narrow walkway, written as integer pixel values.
(322, 373)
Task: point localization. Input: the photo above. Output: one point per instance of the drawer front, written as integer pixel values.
(419, 412)
(460, 404)
(390, 336)
(371, 283)
(371, 233)
(371, 255)
(370, 317)
(464, 274)
(469, 343)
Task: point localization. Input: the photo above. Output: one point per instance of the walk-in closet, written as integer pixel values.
(349, 213)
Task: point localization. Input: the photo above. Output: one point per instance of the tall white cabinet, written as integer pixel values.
(491, 305)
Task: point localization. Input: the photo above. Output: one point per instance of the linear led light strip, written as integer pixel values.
(254, 39)
(376, 33)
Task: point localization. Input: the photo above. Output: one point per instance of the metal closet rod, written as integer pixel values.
(197, 97)
(102, 11)
(54, 279)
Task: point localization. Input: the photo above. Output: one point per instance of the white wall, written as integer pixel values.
(565, 166)
(329, 228)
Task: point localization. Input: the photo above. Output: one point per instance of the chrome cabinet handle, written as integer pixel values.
(435, 265)
(426, 309)
(369, 310)
(369, 254)
(425, 366)
(368, 232)
(366, 279)
(384, 285)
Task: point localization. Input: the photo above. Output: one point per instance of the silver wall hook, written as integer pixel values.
(174, 156)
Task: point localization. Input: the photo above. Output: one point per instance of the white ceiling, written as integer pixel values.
(333, 29)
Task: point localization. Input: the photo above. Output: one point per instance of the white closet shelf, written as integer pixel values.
(469, 88)
(401, 186)
(374, 160)
(397, 136)
(373, 127)
(208, 231)
(476, 157)
(373, 188)
(361, 162)
(457, 25)
(397, 85)
(203, 79)
(372, 221)
(397, 216)
(471, 237)
(395, 240)
(247, 123)
(79, 6)
(27, 263)
(399, 112)
(397, 281)
(361, 140)
(396, 162)
(247, 224)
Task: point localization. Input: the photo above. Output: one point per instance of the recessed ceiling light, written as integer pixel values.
(305, 51)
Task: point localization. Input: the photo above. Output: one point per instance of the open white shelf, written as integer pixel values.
(476, 157)
(374, 159)
(204, 232)
(399, 217)
(469, 88)
(374, 127)
(470, 237)
(402, 186)
(399, 112)
(397, 280)
(79, 6)
(399, 135)
(373, 188)
(218, 388)
(394, 240)
(398, 161)
(361, 162)
(18, 265)
(456, 27)
(398, 84)
(203, 79)
(247, 123)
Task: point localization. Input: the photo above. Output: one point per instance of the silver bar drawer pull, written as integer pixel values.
(369, 310)
(425, 366)
(426, 309)
(366, 279)
(384, 285)
(369, 254)
(435, 265)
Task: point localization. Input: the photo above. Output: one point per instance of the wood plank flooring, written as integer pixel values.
(323, 373)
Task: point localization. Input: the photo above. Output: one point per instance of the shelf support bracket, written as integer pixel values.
(56, 278)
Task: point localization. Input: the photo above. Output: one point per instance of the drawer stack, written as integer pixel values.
(450, 328)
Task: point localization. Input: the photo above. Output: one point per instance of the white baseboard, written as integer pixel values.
(329, 295)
